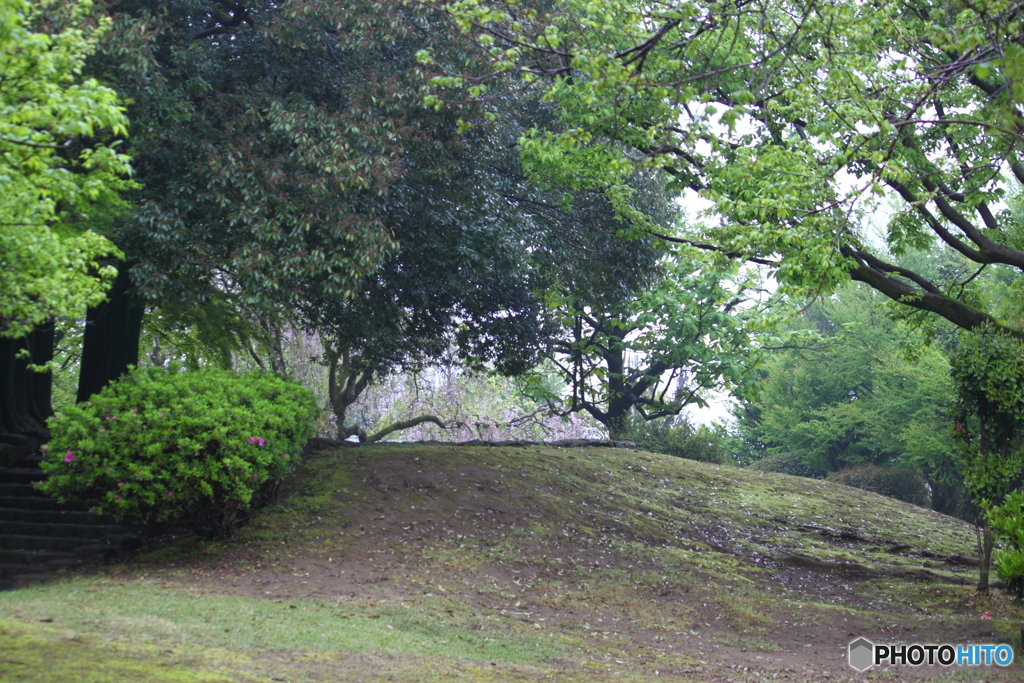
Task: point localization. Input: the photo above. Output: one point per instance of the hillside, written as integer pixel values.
(432, 562)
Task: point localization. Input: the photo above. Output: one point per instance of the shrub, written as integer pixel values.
(786, 463)
(893, 482)
(199, 449)
(1008, 521)
(678, 437)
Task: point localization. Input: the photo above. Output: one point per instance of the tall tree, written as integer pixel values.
(266, 136)
(55, 175)
(478, 245)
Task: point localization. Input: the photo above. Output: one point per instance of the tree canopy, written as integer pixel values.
(56, 176)
(795, 119)
(659, 349)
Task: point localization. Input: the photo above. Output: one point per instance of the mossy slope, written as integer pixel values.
(432, 562)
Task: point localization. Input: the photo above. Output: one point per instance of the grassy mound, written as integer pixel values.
(423, 563)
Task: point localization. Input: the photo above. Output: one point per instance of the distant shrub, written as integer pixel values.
(786, 463)
(678, 437)
(893, 482)
(199, 449)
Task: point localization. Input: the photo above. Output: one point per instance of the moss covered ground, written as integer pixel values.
(434, 562)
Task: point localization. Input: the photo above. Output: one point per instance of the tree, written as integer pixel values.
(659, 350)
(266, 137)
(867, 391)
(988, 370)
(57, 179)
(292, 175)
(478, 245)
(785, 116)
(794, 119)
(53, 174)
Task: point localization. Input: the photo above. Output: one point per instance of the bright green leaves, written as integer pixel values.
(852, 395)
(797, 120)
(51, 179)
(660, 349)
(200, 449)
(1008, 521)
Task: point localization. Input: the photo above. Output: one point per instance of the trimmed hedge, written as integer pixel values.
(901, 484)
(199, 449)
(786, 463)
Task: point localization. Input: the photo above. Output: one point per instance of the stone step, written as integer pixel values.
(48, 543)
(29, 461)
(38, 502)
(9, 571)
(41, 557)
(20, 490)
(15, 528)
(23, 580)
(53, 516)
(23, 475)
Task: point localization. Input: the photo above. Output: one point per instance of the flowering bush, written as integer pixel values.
(199, 449)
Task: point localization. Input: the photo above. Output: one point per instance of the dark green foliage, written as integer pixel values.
(200, 449)
(988, 371)
(787, 463)
(679, 437)
(893, 482)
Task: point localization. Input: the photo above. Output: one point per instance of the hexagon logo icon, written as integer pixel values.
(862, 654)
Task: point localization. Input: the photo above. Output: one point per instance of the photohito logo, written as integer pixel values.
(864, 654)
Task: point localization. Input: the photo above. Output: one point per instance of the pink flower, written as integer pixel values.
(959, 428)
(70, 457)
(254, 476)
(102, 430)
(170, 493)
(985, 616)
(120, 483)
(258, 440)
(44, 448)
(160, 415)
(117, 496)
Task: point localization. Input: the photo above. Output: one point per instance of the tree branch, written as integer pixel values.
(402, 424)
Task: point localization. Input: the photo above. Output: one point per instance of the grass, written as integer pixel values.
(423, 563)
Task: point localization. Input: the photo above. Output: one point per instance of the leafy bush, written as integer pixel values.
(678, 437)
(786, 463)
(199, 449)
(893, 482)
(1008, 521)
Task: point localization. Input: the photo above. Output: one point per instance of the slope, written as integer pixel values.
(433, 562)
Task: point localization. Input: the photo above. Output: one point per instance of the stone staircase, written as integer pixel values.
(39, 536)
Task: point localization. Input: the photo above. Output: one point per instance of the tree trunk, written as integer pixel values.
(111, 340)
(344, 385)
(986, 555)
(24, 393)
(617, 421)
